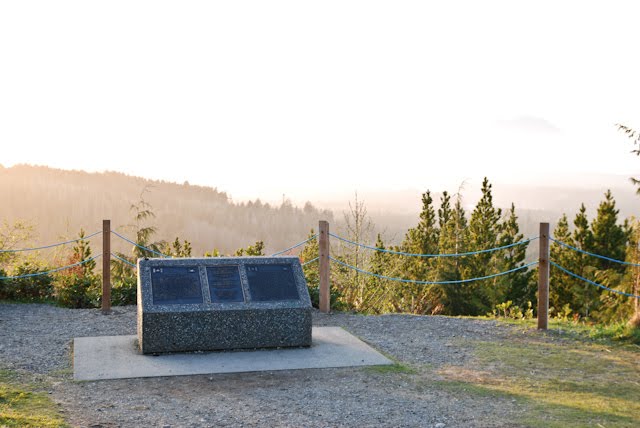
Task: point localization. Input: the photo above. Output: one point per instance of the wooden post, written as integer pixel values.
(106, 266)
(543, 278)
(324, 269)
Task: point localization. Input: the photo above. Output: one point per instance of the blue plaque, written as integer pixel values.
(271, 282)
(224, 284)
(176, 285)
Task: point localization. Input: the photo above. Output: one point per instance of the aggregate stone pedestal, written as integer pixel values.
(211, 304)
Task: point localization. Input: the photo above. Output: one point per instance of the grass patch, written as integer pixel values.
(562, 383)
(21, 406)
(615, 333)
(392, 368)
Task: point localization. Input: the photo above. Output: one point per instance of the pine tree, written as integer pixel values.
(423, 239)
(444, 212)
(586, 295)
(76, 287)
(446, 267)
(515, 286)
(378, 289)
(454, 239)
(582, 235)
(609, 238)
(484, 229)
(562, 287)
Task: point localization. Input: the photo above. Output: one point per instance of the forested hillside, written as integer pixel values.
(58, 203)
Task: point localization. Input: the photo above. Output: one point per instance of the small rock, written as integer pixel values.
(440, 425)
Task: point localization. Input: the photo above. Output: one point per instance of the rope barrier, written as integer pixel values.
(592, 282)
(470, 253)
(123, 260)
(139, 246)
(295, 246)
(593, 254)
(52, 245)
(411, 281)
(310, 261)
(29, 275)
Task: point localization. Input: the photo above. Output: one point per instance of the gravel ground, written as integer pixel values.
(36, 340)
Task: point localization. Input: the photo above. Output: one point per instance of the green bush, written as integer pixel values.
(30, 289)
(336, 302)
(76, 290)
(509, 310)
(124, 291)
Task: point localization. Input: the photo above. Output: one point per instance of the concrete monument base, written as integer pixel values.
(118, 357)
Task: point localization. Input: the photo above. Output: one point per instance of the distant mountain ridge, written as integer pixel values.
(60, 202)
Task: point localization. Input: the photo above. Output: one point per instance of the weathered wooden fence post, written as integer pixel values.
(106, 266)
(543, 278)
(324, 267)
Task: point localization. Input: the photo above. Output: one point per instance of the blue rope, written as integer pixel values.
(139, 246)
(29, 275)
(123, 260)
(311, 261)
(593, 283)
(295, 246)
(52, 245)
(470, 253)
(411, 281)
(594, 255)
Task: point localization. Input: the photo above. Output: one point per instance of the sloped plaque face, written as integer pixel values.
(224, 284)
(273, 282)
(176, 285)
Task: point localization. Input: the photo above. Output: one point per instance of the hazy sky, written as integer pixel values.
(306, 98)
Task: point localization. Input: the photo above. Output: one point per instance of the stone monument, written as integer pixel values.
(221, 303)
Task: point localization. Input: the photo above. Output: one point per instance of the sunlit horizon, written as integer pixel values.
(310, 101)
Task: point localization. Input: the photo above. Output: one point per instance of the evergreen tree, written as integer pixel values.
(423, 239)
(378, 289)
(142, 214)
(562, 287)
(177, 249)
(256, 249)
(444, 212)
(515, 286)
(585, 294)
(76, 287)
(454, 239)
(609, 238)
(484, 229)
(123, 274)
(446, 268)
(582, 235)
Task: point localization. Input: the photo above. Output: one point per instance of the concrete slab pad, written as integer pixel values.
(117, 357)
